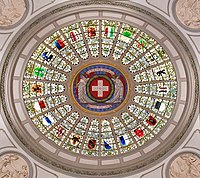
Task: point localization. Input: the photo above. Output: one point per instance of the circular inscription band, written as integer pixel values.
(100, 88)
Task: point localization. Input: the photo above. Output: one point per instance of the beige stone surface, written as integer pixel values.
(186, 165)
(13, 165)
(161, 5)
(188, 12)
(11, 11)
(42, 173)
(4, 140)
(157, 173)
(41, 5)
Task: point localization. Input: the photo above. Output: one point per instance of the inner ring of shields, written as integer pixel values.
(100, 88)
(51, 65)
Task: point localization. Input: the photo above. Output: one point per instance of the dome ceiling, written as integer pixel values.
(119, 77)
(100, 90)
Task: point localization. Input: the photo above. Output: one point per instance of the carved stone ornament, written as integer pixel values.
(11, 11)
(188, 12)
(66, 160)
(13, 166)
(186, 165)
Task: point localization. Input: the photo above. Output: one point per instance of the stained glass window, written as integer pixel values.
(99, 87)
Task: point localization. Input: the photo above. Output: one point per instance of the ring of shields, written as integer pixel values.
(109, 33)
(75, 140)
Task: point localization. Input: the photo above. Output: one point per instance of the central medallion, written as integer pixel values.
(100, 88)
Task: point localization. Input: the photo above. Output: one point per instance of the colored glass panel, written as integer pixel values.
(79, 67)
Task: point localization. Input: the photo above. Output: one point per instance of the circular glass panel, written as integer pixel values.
(99, 87)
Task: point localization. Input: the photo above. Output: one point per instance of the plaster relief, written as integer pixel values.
(188, 12)
(13, 166)
(11, 11)
(186, 165)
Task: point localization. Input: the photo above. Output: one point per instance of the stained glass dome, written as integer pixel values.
(99, 87)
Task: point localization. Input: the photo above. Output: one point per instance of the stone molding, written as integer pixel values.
(130, 168)
(12, 13)
(184, 165)
(13, 164)
(187, 14)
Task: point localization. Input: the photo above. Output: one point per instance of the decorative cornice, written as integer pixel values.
(118, 171)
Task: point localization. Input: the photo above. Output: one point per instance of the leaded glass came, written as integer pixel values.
(99, 87)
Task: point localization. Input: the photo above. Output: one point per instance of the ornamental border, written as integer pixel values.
(110, 172)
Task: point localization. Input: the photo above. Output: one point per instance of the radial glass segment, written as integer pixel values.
(99, 87)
